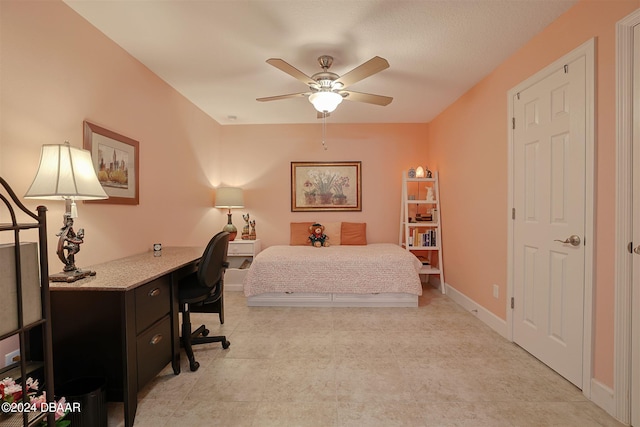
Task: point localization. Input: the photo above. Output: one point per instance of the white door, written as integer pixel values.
(549, 150)
(635, 314)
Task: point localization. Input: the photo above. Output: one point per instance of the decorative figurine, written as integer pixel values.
(68, 246)
(245, 229)
(430, 194)
(252, 233)
(69, 241)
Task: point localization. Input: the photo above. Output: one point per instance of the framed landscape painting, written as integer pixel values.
(326, 186)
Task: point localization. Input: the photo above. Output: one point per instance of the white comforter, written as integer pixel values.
(374, 268)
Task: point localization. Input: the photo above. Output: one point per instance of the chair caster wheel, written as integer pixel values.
(225, 344)
(205, 332)
(194, 366)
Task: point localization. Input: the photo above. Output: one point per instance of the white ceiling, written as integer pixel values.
(214, 51)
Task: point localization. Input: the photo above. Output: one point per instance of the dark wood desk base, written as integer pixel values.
(126, 336)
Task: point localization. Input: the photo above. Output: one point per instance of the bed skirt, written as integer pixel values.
(308, 299)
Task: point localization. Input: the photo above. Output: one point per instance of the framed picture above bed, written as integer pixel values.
(326, 186)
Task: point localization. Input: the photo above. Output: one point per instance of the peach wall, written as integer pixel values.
(58, 70)
(265, 153)
(469, 141)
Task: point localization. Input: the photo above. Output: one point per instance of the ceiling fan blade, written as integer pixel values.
(366, 97)
(291, 70)
(369, 68)
(289, 95)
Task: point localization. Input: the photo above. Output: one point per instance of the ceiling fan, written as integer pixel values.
(327, 89)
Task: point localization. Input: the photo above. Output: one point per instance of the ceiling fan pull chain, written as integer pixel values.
(324, 132)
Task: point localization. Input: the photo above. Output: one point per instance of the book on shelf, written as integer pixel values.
(423, 260)
(423, 239)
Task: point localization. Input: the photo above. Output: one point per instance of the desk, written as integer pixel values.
(121, 324)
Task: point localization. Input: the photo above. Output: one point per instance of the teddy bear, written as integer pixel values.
(317, 237)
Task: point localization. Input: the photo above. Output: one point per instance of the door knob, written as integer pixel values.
(637, 250)
(573, 240)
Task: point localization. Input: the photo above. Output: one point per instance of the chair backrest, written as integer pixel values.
(214, 261)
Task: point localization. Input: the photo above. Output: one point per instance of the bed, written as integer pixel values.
(379, 274)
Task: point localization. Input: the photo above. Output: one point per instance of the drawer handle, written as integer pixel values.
(154, 292)
(156, 339)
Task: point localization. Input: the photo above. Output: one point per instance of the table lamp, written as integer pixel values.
(229, 198)
(67, 173)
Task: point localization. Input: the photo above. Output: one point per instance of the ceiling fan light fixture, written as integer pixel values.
(325, 102)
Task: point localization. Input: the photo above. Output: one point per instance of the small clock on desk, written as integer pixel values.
(157, 249)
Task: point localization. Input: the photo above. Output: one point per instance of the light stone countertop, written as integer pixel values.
(132, 271)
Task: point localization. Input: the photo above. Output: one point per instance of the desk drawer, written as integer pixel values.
(153, 301)
(154, 351)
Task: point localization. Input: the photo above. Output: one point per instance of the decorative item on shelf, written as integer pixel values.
(28, 396)
(430, 195)
(245, 229)
(229, 198)
(428, 172)
(157, 249)
(252, 233)
(67, 173)
(411, 173)
(419, 172)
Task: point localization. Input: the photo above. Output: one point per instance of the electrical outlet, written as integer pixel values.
(496, 291)
(11, 358)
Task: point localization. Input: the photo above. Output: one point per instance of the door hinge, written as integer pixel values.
(518, 95)
(513, 213)
(513, 122)
(513, 304)
(566, 68)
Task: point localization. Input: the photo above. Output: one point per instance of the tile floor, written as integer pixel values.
(435, 365)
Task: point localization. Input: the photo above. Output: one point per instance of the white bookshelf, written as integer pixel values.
(420, 227)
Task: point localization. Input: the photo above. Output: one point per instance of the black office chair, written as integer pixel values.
(201, 288)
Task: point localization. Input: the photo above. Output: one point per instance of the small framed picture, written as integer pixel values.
(411, 173)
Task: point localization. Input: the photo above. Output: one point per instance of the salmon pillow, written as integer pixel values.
(353, 233)
(299, 233)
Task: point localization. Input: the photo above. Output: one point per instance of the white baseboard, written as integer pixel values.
(602, 396)
(493, 321)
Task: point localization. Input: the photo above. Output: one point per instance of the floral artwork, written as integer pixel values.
(333, 186)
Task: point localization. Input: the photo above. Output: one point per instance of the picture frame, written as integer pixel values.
(116, 160)
(326, 186)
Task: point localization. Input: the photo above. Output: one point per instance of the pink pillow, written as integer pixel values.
(299, 233)
(353, 233)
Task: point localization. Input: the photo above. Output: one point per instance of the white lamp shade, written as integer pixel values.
(229, 198)
(325, 102)
(65, 172)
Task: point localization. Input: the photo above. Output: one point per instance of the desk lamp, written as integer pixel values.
(67, 173)
(229, 198)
